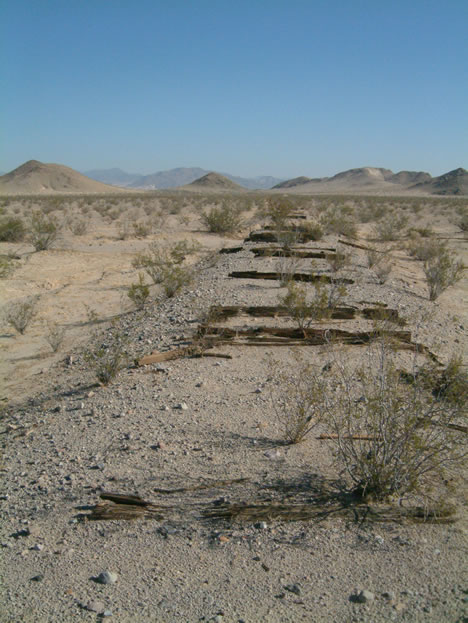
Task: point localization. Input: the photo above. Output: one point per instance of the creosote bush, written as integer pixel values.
(307, 305)
(43, 231)
(442, 271)
(12, 229)
(389, 437)
(225, 219)
(165, 267)
(54, 336)
(19, 313)
(294, 397)
(107, 358)
(139, 292)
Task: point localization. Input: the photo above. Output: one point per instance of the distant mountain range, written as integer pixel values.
(36, 177)
(174, 178)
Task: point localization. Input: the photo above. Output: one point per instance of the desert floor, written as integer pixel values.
(198, 433)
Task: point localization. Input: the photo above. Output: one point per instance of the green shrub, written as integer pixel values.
(139, 292)
(108, 358)
(19, 313)
(391, 227)
(295, 395)
(43, 231)
(222, 220)
(12, 230)
(389, 437)
(442, 271)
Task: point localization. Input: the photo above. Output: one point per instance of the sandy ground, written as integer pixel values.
(190, 435)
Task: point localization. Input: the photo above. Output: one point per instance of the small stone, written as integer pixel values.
(258, 390)
(107, 613)
(389, 595)
(182, 406)
(365, 597)
(95, 606)
(164, 408)
(379, 539)
(261, 525)
(200, 384)
(106, 577)
(37, 547)
(272, 454)
(37, 578)
(293, 588)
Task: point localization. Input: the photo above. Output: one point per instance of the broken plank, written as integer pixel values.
(273, 276)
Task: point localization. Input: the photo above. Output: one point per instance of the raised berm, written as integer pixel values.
(214, 181)
(34, 177)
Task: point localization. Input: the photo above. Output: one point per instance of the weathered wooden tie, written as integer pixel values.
(305, 277)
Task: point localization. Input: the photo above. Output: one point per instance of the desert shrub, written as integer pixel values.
(279, 212)
(311, 231)
(222, 220)
(164, 266)
(6, 266)
(19, 313)
(139, 292)
(54, 336)
(43, 231)
(142, 229)
(295, 395)
(106, 359)
(123, 229)
(78, 227)
(442, 271)
(341, 222)
(286, 267)
(305, 309)
(12, 230)
(391, 227)
(424, 249)
(391, 437)
(371, 212)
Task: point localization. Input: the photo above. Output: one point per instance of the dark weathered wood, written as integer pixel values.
(264, 235)
(119, 498)
(231, 250)
(309, 335)
(306, 277)
(319, 254)
(221, 312)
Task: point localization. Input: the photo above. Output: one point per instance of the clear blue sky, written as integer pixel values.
(249, 87)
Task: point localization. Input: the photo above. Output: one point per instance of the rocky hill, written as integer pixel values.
(34, 177)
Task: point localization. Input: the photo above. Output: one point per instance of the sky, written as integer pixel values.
(251, 87)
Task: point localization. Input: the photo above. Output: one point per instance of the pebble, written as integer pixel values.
(106, 577)
(37, 578)
(37, 547)
(365, 597)
(389, 595)
(95, 606)
(272, 454)
(261, 525)
(182, 406)
(293, 588)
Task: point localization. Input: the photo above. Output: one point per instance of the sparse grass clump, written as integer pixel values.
(391, 227)
(20, 313)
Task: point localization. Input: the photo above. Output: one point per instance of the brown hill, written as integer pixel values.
(34, 177)
(213, 181)
(452, 183)
(296, 181)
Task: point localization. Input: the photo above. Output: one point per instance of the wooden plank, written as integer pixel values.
(272, 276)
